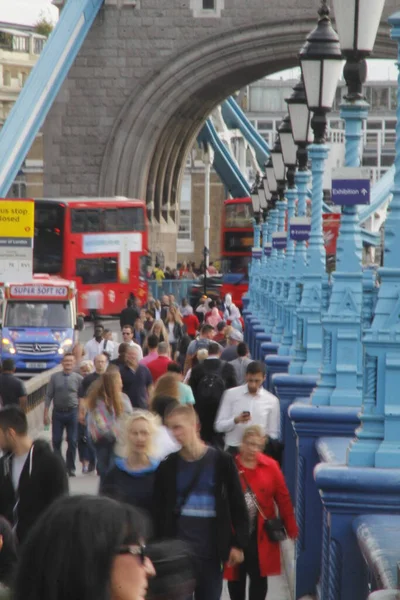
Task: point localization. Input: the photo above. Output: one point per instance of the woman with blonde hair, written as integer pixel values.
(175, 329)
(201, 355)
(158, 329)
(86, 367)
(131, 480)
(107, 406)
(265, 491)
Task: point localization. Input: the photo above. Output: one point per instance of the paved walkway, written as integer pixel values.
(88, 484)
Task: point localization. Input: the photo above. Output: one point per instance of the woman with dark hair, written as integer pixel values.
(85, 548)
(8, 555)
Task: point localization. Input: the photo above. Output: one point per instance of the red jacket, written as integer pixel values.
(192, 324)
(268, 484)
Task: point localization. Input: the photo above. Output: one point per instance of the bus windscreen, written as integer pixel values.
(238, 215)
(49, 233)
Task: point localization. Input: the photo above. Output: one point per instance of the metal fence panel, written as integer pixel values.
(180, 288)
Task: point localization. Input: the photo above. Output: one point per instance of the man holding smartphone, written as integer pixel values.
(245, 405)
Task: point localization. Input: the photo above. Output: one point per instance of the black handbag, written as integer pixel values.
(274, 528)
(175, 567)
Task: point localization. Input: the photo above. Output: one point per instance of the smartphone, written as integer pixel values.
(246, 413)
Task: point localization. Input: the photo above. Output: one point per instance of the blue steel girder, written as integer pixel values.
(42, 86)
(235, 118)
(224, 163)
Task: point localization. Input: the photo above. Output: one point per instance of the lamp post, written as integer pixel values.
(272, 228)
(300, 118)
(279, 242)
(289, 152)
(357, 23)
(321, 64)
(255, 262)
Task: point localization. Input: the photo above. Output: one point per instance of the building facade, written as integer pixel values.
(20, 47)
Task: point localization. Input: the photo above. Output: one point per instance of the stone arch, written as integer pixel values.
(155, 129)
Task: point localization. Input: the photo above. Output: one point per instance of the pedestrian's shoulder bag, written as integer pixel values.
(102, 423)
(181, 501)
(274, 528)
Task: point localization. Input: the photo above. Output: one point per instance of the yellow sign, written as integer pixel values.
(16, 240)
(17, 218)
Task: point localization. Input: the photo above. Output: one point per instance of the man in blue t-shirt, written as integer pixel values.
(136, 379)
(198, 498)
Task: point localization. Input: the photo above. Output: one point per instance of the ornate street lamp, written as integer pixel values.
(271, 180)
(300, 119)
(278, 165)
(289, 149)
(321, 65)
(262, 196)
(357, 22)
(255, 198)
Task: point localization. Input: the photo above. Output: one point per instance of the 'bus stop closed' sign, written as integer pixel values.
(16, 240)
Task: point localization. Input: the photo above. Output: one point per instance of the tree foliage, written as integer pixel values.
(43, 26)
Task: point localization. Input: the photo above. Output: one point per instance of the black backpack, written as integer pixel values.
(210, 388)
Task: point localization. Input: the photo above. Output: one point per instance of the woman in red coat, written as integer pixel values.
(262, 557)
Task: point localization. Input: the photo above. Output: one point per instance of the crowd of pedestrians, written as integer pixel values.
(178, 425)
(183, 270)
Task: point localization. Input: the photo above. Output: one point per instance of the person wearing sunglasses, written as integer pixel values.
(85, 548)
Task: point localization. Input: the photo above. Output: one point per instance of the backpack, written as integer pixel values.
(210, 388)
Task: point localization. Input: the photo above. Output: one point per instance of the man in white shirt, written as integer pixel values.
(248, 404)
(127, 336)
(95, 346)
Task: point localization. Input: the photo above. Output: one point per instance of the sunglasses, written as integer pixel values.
(137, 550)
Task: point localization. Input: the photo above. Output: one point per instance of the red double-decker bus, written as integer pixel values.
(237, 243)
(100, 243)
(236, 246)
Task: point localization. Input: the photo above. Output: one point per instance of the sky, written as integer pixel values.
(27, 12)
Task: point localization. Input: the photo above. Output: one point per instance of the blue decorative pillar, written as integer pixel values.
(255, 266)
(341, 374)
(273, 217)
(288, 297)
(377, 441)
(302, 178)
(308, 360)
(280, 242)
(256, 244)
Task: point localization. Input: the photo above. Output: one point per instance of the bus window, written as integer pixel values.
(93, 220)
(85, 220)
(110, 219)
(131, 219)
(238, 241)
(235, 264)
(97, 270)
(48, 243)
(238, 215)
